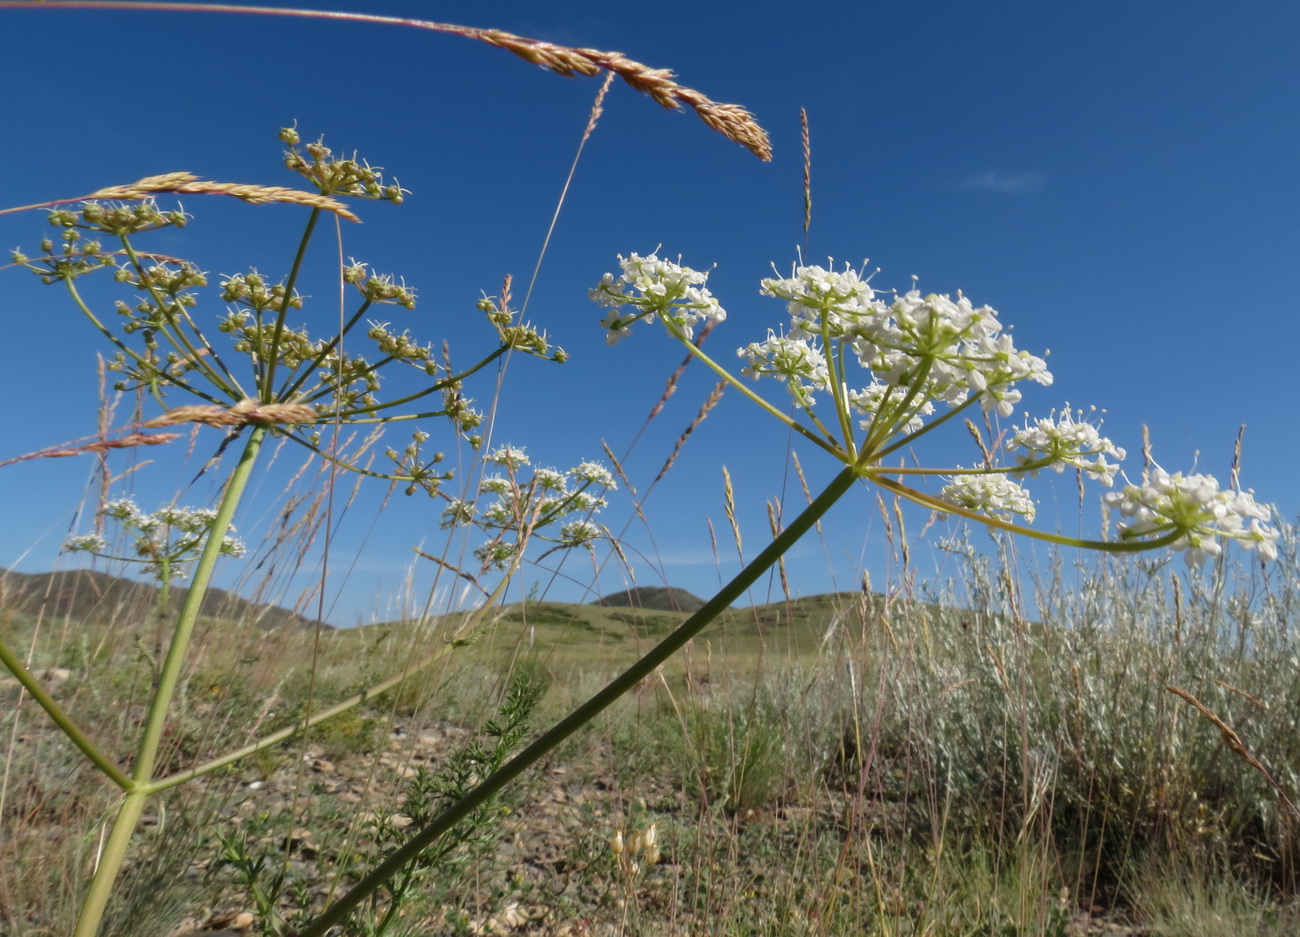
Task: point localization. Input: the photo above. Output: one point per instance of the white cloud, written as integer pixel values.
(1007, 183)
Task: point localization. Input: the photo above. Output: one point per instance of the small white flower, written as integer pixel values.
(499, 514)
(1069, 440)
(1194, 507)
(576, 533)
(509, 456)
(171, 516)
(584, 501)
(933, 348)
(870, 399)
(669, 290)
(993, 494)
(145, 523)
(233, 547)
(496, 555)
(122, 509)
(794, 361)
(823, 302)
(457, 511)
(594, 473)
(88, 543)
(616, 326)
(196, 520)
(549, 480)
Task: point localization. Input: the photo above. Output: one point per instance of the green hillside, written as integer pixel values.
(91, 597)
(569, 636)
(655, 598)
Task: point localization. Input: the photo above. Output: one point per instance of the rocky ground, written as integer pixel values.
(549, 870)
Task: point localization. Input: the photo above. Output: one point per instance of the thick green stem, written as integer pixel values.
(546, 743)
(119, 840)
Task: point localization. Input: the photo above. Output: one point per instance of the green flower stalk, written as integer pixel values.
(917, 354)
(260, 373)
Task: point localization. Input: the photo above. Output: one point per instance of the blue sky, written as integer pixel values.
(1117, 179)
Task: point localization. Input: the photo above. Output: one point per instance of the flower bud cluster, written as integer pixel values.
(1196, 512)
(402, 348)
(518, 509)
(166, 294)
(638, 850)
(162, 541)
(77, 257)
(413, 468)
(252, 291)
(171, 350)
(519, 336)
(263, 341)
(119, 219)
(332, 176)
(379, 288)
(667, 290)
(457, 408)
(174, 278)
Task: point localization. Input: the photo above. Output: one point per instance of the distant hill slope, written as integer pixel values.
(656, 598)
(90, 596)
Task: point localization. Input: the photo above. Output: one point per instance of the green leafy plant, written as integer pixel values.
(283, 897)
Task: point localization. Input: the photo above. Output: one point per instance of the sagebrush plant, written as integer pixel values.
(894, 366)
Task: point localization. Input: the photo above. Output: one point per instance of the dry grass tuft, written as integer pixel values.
(244, 412)
(186, 183)
(731, 120)
(1233, 741)
(130, 440)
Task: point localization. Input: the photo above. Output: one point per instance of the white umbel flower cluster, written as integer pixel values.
(993, 494)
(163, 541)
(512, 508)
(939, 348)
(1198, 510)
(889, 360)
(652, 288)
(1068, 440)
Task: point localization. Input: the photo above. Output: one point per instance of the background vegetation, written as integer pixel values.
(844, 764)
